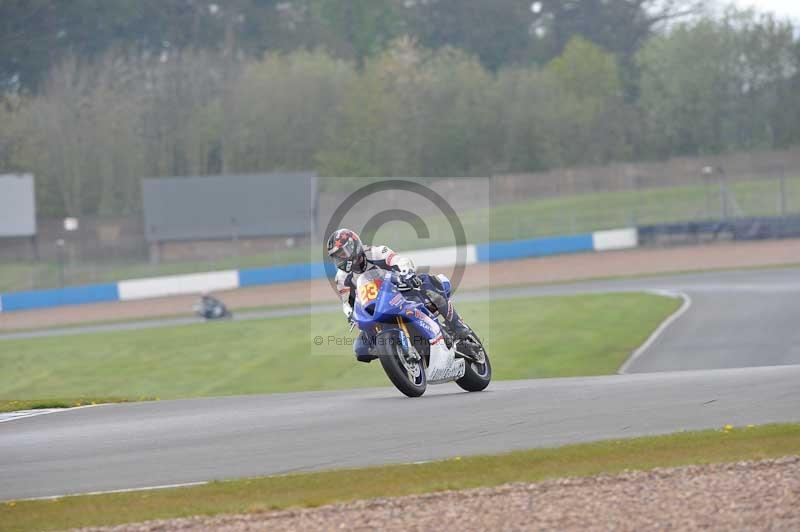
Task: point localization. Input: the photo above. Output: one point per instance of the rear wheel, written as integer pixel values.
(477, 368)
(402, 363)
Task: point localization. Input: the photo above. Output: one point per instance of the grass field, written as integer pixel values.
(591, 212)
(527, 338)
(315, 489)
(525, 219)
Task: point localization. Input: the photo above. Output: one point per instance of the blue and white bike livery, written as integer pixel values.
(405, 333)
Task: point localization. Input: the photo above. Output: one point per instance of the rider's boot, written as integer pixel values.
(454, 322)
(459, 328)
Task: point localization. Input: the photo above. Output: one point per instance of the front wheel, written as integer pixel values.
(402, 363)
(477, 375)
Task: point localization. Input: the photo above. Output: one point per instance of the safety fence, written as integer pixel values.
(709, 231)
(231, 279)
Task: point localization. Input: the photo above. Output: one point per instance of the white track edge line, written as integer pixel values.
(124, 490)
(687, 303)
(49, 411)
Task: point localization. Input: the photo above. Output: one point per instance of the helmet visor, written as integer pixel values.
(343, 254)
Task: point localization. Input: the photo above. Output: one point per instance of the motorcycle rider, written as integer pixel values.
(209, 307)
(352, 259)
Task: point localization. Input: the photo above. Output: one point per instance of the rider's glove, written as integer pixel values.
(408, 280)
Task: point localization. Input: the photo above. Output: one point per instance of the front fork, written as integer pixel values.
(407, 340)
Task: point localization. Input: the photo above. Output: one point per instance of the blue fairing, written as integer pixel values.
(391, 304)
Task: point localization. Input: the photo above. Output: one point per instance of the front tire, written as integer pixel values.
(477, 376)
(400, 365)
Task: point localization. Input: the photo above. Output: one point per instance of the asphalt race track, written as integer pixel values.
(739, 319)
(735, 319)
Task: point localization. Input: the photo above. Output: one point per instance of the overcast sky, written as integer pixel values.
(790, 8)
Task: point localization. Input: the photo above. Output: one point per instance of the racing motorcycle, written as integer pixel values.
(211, 308)
(400, 329)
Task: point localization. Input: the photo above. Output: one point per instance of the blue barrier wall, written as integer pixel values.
(537, 247)
(74, 295)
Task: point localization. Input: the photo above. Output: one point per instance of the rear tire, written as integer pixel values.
(476, 376)
(412, 382)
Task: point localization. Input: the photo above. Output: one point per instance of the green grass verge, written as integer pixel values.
(527, 338)
(314, 489)
(526, 219)
(39, 404)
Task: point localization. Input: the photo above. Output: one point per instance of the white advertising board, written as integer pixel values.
(17, 206)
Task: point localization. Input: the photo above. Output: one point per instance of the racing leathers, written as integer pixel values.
(381, 257)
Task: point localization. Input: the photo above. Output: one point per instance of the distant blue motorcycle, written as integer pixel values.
(400, 326)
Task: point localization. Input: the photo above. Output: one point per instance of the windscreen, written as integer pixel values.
(368, 286)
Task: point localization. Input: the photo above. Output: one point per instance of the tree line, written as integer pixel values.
(410, 106)
(37, 34)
